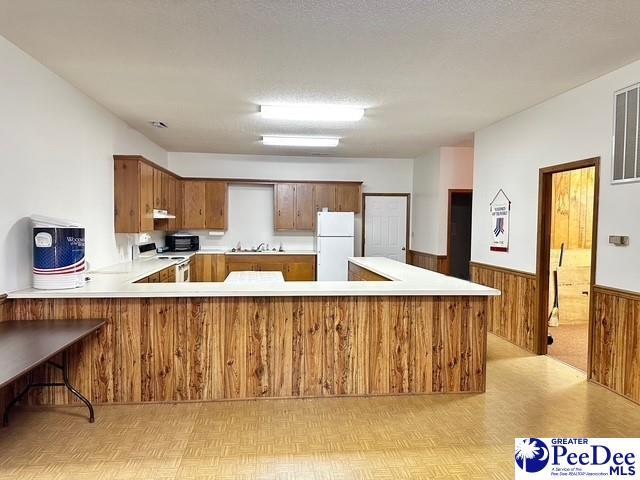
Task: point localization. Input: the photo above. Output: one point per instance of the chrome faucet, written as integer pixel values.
(260, 247)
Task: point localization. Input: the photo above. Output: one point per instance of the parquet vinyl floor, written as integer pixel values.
(403, 437)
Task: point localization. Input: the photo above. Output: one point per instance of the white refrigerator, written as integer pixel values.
(334, 244)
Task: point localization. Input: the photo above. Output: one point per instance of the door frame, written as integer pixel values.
(408, 223)
(451, 192)
(545, 191)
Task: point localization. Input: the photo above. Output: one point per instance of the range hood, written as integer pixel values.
(160, 214)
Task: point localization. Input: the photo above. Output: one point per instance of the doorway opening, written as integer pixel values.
(459, 233)
(566, 259)
(385, 226)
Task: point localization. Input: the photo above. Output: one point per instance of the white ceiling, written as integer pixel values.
(428, 72)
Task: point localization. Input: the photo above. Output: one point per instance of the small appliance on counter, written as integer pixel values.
(58, 254)
(182, 242)
(334, 244)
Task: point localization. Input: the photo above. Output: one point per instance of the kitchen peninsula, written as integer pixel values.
(416, 331)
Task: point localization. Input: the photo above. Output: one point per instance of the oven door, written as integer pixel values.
(183, 272)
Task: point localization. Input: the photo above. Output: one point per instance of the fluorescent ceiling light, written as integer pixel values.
(318, 113)
(300, 141)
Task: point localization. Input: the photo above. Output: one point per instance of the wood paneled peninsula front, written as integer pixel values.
(417, 331)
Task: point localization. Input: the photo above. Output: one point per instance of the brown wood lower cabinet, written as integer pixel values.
(357, 273)
(166, 275)
(293, 267)
(179, 349)
(207, 267)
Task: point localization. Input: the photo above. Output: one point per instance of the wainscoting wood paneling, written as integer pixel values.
(176, 349)
(512, 314)
(615, 343)
(428, 261)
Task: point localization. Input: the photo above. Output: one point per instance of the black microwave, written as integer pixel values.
(182, 242)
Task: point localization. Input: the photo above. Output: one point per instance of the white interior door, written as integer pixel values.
(385, 227)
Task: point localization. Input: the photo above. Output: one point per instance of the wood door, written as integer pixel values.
(300, 271)
(146, 197)
(171, 278)
(193, 198)
(325, 197)
(154, 278)
(176, 224)
(240, 266)
(284, 206)
(172, 206)
(126, 191)
(305, 206)
(271, 265)
(157, 188)
(167, 193)
(216, 205)
(218, 273)
(348, 198)
(201, 268)
(164, 274)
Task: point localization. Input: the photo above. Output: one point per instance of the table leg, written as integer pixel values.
(65, 379)
(65, 383)
(10, 405)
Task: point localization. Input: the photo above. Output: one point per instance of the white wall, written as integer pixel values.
(434, 174)
(572, 126)
(251, 222)
(378, 174)
(56, 148)
(424, 209)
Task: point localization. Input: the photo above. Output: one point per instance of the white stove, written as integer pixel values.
(183, 265)
(182, 259)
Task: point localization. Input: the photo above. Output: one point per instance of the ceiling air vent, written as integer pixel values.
(626, 148)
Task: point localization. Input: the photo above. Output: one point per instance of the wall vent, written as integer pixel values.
(626, 148)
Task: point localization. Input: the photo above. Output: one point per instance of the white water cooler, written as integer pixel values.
(58, 254)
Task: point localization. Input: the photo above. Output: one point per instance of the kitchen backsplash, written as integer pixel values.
(250, 222)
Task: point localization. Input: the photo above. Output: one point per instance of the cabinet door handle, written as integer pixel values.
(200, 211)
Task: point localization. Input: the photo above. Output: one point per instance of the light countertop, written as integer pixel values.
(254, 277)
(117, 281)
(270, 252)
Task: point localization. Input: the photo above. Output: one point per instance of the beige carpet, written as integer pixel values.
(570, 344)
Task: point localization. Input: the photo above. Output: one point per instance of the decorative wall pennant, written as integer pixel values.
(500, 208)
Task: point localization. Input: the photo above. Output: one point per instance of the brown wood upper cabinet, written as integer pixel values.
(133, 195)
(348, 198)
(139, 188)
(215, 208)
(284, 206)
(305, 208)
(204, 204)
(294, 206)
(193, 201)
(325, 197)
